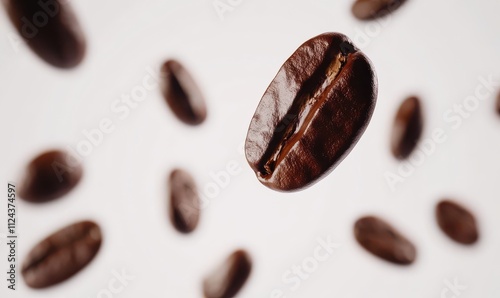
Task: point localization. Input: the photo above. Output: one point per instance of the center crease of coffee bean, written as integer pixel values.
(302, 112)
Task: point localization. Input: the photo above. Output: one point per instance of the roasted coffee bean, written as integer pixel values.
(62, 254)
(373, 9)
(49, 176)
(184, 201)
(382, 240)
(456, 222)
(182, 93)
(498, 103)
(230, 277)
(407, 128)
(312, 114)
(50, 29)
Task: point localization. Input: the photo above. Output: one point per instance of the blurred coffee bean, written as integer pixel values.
(373, 9)
(457, 222)
(49, 176)
(50, 29)
(407, 129)
(182, 93)
(498, 103)
(62, 254)
(382, 240)
(184, 201)
(229, 278)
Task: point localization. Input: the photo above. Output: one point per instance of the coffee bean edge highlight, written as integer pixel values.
(381, 239)
(184, 201)
(182, 94)
(457, 222)
(49, 176)
(407, 128)
(75, 245)
(58, 40)
(227, 280)
(327, 75)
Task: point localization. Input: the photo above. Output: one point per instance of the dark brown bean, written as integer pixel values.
(184, 201)
(498, 103)
(382, 240)
(457, 222)
(62, 254)
(50, 29)
(407, 128)
(182, 93)
(50, 175)
(312, 114)
(229, 278)
(373, 9)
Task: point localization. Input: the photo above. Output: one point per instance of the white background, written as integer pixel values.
(435, 49)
